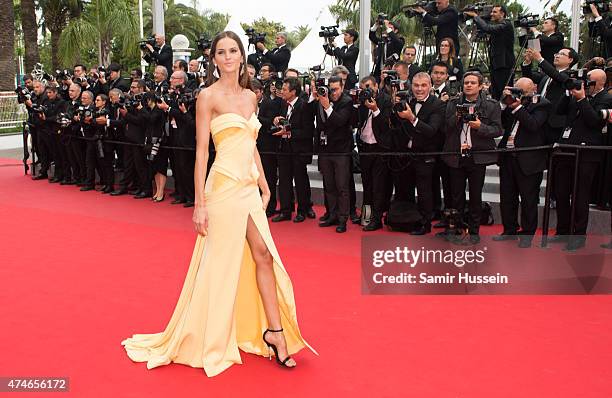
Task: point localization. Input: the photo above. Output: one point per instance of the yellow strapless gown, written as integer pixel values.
(220, 309)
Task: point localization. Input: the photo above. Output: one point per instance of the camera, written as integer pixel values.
(36, 108)
(155, 144)
(80, 80)
(255, 37)
(606, 113)
(454, 86)
(482, 9)
(180, 97)
(63, 119)
(404, 98)
(515, 94)
(149, 81)
(62, 75)
(577, 79)
(23, 94)
(284, 124)
(130, 103)
(390, 75)
(380, 18)
(527, 21)
(466, 112)
(329, 32)
(203, 43)
(85, 112)
(428, 6)
(149, 40)
(602, 6)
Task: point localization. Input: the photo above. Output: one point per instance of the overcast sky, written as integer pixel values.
(293, 13)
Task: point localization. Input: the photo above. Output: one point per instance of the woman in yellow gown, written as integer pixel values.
(237, 294)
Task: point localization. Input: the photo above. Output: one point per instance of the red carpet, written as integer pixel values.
(81, 271)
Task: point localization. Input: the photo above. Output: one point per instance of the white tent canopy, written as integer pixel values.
(234, 25)
(310, 51)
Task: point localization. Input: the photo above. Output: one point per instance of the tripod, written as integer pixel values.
(479, 50)
(426, 50)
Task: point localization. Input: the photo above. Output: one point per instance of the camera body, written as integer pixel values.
(405, 97)
(409, 9)
(37, 108)
(454, 86)
(577, 79)
(255, 37)
(481, 8)
(149, 40)
(380, 18)
(85, 112)
(203, 43)
(515, 94)
(466, 112)
(527, 21)
(283, 124)
(329, 32)
(23, 94)
(62, 75)
(80, 80)
(63, 119)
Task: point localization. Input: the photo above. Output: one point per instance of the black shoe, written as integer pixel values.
(473, 239)
(440, 224)
(283, 362)
(311, 214)
(558, 239)
(282, 217)
(40, 177)
(575, 243)
(373, 225)
(119, 192)
(324, 217)
(54, 180)
(270, 213)
(143, 195)
(341, 228)
(607, 245)
(505, 236)
(425, 229)
(299, 218)
(525, 242)
(134, 192)
(355, 219)
(175, 195)
(329, 222)
(188, 204)
(437, 215)
(102, 188)
(178, 201)
(108, 189)
(86, 188)
(65, 182)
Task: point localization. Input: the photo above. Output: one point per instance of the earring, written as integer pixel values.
(216, 72)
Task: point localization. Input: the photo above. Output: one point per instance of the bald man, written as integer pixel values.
(585, 127)
(520, 173)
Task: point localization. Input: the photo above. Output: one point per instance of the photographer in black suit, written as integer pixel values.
(472, 124)
(115, 80)
(333, 109)
(267, 110)
(278, 56)
(586, 126)
(501, 47)
(373, 136)
(161, 54)
(346, 55)
(295, 127)
(520, 173)
(51, 130)
(551, 85)
(602, 26)
(418, 126)
(388, 45)
(446, 20)
(551, 40)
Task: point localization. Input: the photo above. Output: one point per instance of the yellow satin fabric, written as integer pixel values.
(220, 309)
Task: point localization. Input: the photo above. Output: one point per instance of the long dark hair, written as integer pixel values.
(243, 78)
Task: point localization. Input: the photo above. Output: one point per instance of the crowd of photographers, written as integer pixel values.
(423, 133)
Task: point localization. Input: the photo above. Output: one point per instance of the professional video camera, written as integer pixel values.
(283, 124)
(203, 43)
(404, 98)
(255, 37)
(409, 9)
(482, 9)
(602, 6)
(577, 79)
(527, 21)
(329, 32)
(466, 112)
(149, 40)
(23, 94)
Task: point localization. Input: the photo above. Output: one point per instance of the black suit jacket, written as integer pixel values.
(380, 122)
(551, 45)
(395, 46)
(136, 127)
(413, 69)
(482, 139)
(586, 122)
(346, 56)
(501, 42)
(447, 23)
(603, 28)
(302, 128)
(163, 57)
(555, 91)
(529, 134)
(279, 57)
(425, 134)
(120, 83)
(268, 110)
(184, 134)
(337, 126)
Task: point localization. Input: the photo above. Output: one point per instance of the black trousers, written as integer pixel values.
(563, 181)
(185, 165)
(403, 178)
(440, 172)
(144, 172)
(77, 149)
(130, 176)
(106, 163)
(514, 184)
(422, 170)
(93, 163)
(475, 176)
(45, 151)
(376, 179)
(499, 77)
(336, 172)
(269, 163)
(293, 168)
(59, 155)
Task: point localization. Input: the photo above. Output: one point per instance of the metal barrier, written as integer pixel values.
(12, 113)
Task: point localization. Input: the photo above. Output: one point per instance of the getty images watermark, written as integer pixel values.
(430, 265)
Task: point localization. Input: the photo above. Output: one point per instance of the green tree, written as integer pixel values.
(101, 22)
(270, 28)
(56, 15)
(296, 36)
(178, 19)
(30, 33)
(7, 45)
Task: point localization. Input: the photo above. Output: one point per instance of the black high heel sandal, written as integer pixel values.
(273, 347)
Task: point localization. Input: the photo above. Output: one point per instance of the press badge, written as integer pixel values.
(567, 132)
